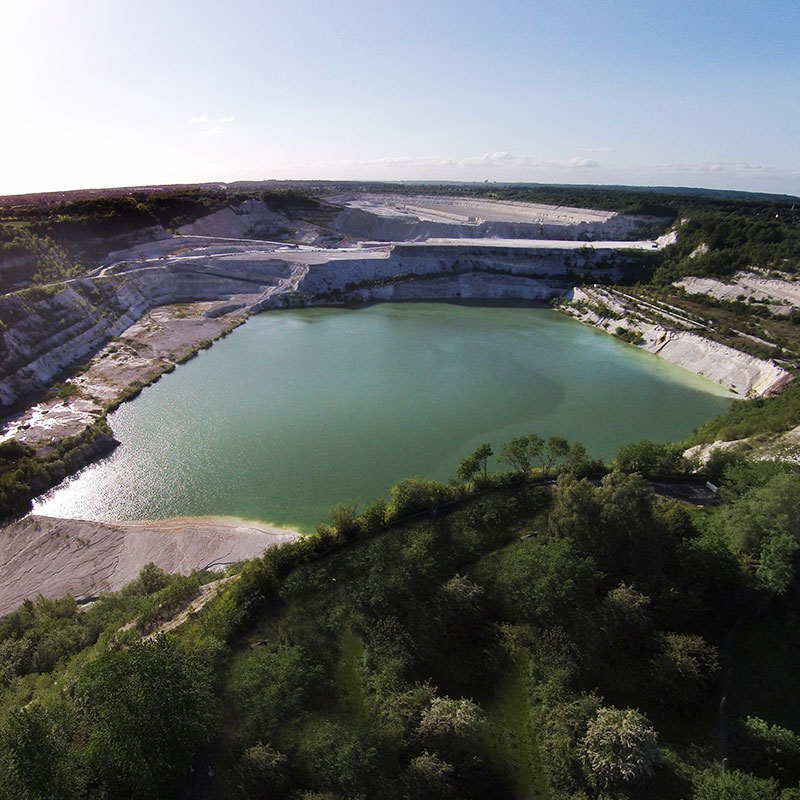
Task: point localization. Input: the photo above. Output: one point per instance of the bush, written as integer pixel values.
(651, 459)
(412, 495)
(619, 748)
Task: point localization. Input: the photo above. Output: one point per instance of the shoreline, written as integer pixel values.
(167, 336)
(55, 556)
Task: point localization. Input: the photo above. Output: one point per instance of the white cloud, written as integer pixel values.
(500, 159)
(198, 120)
(733, 170)
(582, 162)
(211, 131)
(226, 120)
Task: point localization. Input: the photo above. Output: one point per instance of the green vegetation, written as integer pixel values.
(719, 243)
(24, 474)
(756, 416)
(502, 635)
(42, 241)
(550, 641)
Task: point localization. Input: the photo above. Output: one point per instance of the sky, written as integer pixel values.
(102, 93)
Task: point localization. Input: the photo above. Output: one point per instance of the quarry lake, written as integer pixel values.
(298, 411)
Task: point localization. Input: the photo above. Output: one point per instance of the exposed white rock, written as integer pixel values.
(740, 372)
(782, 295)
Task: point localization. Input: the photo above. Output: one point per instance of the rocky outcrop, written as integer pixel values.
(359, 223)
(251, 218)
(548, 267)
(391, 217)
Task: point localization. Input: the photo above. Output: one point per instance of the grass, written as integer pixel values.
(509, 736)
(348, 675)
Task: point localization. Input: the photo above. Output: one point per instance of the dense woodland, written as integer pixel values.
(561, 639)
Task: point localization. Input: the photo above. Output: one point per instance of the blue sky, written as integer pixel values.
(111, 93)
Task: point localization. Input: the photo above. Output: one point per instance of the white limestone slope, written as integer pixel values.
(740, 372)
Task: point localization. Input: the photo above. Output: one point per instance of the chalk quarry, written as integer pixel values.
(149, 307)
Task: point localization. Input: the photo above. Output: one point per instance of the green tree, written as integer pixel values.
(735, 785)
(415, 494)
(345, 520)
(520, 452)
(428, 776)
(682, 668)
(450, 719)
(619, 748)
(651, 459)
(37, 759)
(763, 526)
(557, 448)
(147, 708)
(467, 469)
(262, 771)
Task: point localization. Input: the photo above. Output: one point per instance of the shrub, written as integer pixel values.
(619, 748)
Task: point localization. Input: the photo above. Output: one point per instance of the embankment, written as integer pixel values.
(677, 339)
(55, 557)
(44, 331)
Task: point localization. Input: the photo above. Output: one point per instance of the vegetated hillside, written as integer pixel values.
(534, 641)
(61, 237)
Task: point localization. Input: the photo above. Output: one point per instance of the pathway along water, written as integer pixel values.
(301, 410)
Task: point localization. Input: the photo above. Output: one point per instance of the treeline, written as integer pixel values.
(45, 243)
(41, 243)
(759, 415)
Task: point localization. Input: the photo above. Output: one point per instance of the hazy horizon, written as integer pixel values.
(587, 92)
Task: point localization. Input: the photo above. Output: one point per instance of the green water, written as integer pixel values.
(301, 410)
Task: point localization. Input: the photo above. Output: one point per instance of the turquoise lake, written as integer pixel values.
(298, 411)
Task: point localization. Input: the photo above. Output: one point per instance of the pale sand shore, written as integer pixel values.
(55, 556)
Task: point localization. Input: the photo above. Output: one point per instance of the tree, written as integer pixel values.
(450, 719)
(415, 494)
(735, 785)
(769, 749)
(520, 452)
(261, 769)
(619, 748)
(427, 776)
(344, 519)
(557, 447)
(682, 668)
(148, 708)
(467, 468)
(763, 526)
(651, 459)
(37, 761)
(578, 463)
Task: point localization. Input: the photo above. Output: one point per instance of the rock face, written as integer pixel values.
(248, 219)
(400, 218)
(407, 272)
(46, 331)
